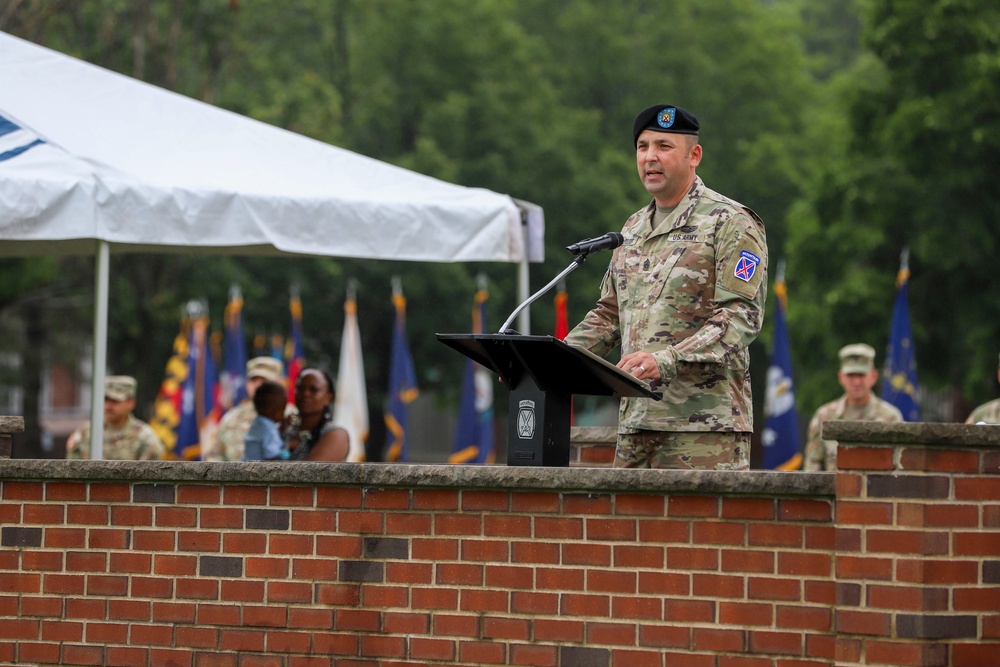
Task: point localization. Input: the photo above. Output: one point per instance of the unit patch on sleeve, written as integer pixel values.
(743, 273)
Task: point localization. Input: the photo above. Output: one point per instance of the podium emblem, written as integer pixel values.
(526, 420)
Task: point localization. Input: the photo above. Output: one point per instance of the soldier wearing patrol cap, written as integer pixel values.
(125, 437)
(857, 375)
(987, 413)
(684, 296)
(227, 445)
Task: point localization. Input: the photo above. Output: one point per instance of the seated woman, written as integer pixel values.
(313, 436)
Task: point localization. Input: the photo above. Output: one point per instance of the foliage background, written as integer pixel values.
(853, 127)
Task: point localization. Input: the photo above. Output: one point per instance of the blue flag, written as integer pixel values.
(781, 430)
(197, 394)
(232, 380)
(402, 384)
(474, 434)
(899, 379)
(294, 352)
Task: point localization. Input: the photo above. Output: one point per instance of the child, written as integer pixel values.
(263, 441)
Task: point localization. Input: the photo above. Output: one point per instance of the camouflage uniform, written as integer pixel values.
(674, 292)
(227, 445)
(135, 441)
(821, 454)
(987, 412)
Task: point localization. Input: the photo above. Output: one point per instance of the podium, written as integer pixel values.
(543, 373)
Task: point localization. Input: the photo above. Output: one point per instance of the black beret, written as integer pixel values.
(664, 118)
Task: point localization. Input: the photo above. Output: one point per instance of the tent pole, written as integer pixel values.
(524, 319)
(100, 351)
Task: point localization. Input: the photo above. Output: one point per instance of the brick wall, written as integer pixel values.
(305, 565)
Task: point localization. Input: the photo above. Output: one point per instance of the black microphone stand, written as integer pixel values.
(517, 311)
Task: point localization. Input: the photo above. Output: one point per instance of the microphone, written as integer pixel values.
(609, 241)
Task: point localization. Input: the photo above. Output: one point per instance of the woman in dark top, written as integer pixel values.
(313, 436)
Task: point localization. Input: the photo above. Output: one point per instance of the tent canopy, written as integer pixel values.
(88, 154)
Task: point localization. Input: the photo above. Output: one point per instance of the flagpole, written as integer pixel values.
(100, 350)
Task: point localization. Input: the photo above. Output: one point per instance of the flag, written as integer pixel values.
(167, 407)
(294, 356)
(197, 413)
(351, 408)
(562, 319)
(402, 383)
(899, 379)
(474, 434)
(781, 429)
(232, 380)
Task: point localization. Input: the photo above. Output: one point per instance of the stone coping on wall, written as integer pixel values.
(381, 475)
(913, 433)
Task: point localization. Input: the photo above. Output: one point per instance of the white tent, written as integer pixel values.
(93, 161)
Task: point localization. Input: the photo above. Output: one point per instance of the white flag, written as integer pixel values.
(351, 408)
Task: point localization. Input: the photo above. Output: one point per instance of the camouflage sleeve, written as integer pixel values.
(150, 447)
(740, 292)
(600, 331)
(815, 453)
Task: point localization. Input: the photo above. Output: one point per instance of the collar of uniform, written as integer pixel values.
(679, 216)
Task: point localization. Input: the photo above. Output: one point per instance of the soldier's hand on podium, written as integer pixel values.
(641, 365)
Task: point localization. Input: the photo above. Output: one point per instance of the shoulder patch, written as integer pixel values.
(744, 269)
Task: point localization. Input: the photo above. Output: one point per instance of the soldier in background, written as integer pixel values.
(227, 445)
(987, 413)
(126, 438)
(684, 297)
(857, 376)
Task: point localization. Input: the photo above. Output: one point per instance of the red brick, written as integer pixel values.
(45, 514)
(29, 652)
(265, 616)
(190, 540)
(388, 647)
(858, 457)
(242, 590)
(774, 535)
(537, 604)
(288, 642)
(613, 581)
(339, 546)
(976, 599)
(338, 497)
(94, 609)
(547, 629)
(741, 560)
(129, 610)
(864, 567)
(582, 553)
(199, 494)
(715, 585)
(458, 524)
(61, 631)
(481, 551)
(132, 515)
(928, 459)
(109, 538)
(848, 485)
(535, 502)
(131, 562)
(153, 635)
(99, 585)
(336, 643)
(297, 496)
(300, 545)
(315, 521)
(435, 499)
(181, 517)
(434, 598)
(648, 608)
(83, 655)
(221, 517)
(864, 513)
(536, 655)
(856, 622)
(760, 509)
(40, 606)
(640, 504)
(289, 591)
(820, 592)
(23, 490)
(770, 642)
(559, 579)
(558, 528)
(408, 573)
(482, 653)
(177, 566)
(573, 604)
(665, 636)
(639, 557)
(805, 564)
(20, 583)
(773, 588)
(478, 601)
(664, 531)
(244, 495)
(377, 596)
(713, 532)
(910, 653)
(818, 619)
(408, 524)
(314, 569)
(692, 558)
(799, 509)
(934, 571)
(461, 574)
(506, 628)
(174, 612)
(535, 552)
(490, 501)
(90, 515)
(106, 633)
(154, 540)
(405, 623)
(509, 577)
(453, 625)
(617, 530)
(198, 589)
(506, 525)
(267, 568)
(693, 506)
(432, 649)
(634, 658)
(196, 637)
(588, 504)
(821, 537)
(65, 538)
(369, 523)
(718, 640)
(974, 654)
(346, 595)
(743, 613)
(665, 583)
(50, 561)
(977, 489)
(153, 587)
(216, 659)
(55, 491)
(919, 515)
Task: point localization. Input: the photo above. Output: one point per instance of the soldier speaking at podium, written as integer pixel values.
(684, 297)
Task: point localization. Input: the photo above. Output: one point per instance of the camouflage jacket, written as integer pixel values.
(135, 441)
(821, 454)
(987, 412)
(691, 293)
